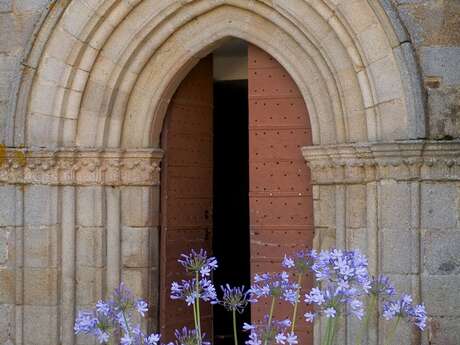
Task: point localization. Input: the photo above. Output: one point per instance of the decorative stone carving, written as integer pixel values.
(402, 160)
(84, 167)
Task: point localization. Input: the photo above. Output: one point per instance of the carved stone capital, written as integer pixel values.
(113, 167)
(399, 160)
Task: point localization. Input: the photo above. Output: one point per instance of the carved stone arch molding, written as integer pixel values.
(95, 88)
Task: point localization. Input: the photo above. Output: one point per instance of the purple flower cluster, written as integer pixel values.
(234, 298)
(404, 308)
(301, 262)
(274, 285)
(198, 262)
(274, 332)
(187, 290)
(344, 277)
(187, 336)
(382, 287)
(114, 318)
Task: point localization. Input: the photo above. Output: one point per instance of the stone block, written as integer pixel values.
(91, 247)
(40, 325)
(137, 279)
(7, 286)
(374, 43)
(136, 207)
(394, 205)
(443, 107)
(445, 331)
(387, 81)
(393, 120)
(441, 252)
(441, 62)
(89, 285)
(325, 215)
(135, 246)
(6, 6)
(400, 251)
(41, 286)
(441, 295)
(7, 325)
(9, 204)
(356, 206)
(30, 5)
(439, 206)
(5, 234)
(41, 246)
(41, 205)
(90, 206)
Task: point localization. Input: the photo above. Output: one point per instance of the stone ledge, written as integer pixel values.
(399, 160)
(115, 167)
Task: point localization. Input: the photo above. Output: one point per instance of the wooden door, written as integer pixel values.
(186, 191)
(280, 193)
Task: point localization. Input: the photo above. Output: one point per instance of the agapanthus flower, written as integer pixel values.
(274, 285)
(275, 333)
(198, 262)
(404, 308)
(187, 336)
(141, 307)
(186, 290)
(114, 317)
(301, 262)
(382, 287)
(234, 298)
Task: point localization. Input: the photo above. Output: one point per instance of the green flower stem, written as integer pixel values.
(294, 314)
(270, 317)
(235, 335)
(198, 316)
(391, 337)
(325, 339)
(332, 333)
(370, 311)
(195, 317)
(126, 323)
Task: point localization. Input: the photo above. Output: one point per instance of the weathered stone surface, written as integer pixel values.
(441, 250)
(90, 206)
(356, 209)
(135, 246)
(41, 246)
(400, 251)
(394, 204)
(41, 205)
(8, 209)
(445, 331)
(41, 286)
(439, 206)
(91, 246)
(40, 325)
(438, 296)
(7, 324)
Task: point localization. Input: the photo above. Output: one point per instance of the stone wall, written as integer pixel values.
(76, 220)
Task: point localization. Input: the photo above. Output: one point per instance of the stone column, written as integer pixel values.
(398, 203)
(73, 224)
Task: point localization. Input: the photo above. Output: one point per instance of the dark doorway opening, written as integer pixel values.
(231, 236)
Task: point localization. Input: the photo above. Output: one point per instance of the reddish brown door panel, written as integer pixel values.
(280, 194)
(186, 190)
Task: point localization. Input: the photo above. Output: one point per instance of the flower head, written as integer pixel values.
(187, 336)
(301, 262)
(235, 298)
(198, 262)
(382, 287)
(274, 285)
(187, 290)
(404, 308)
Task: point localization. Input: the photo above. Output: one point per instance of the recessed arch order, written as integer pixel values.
(104, 71)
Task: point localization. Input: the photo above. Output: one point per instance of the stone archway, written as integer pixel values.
(95, 89)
